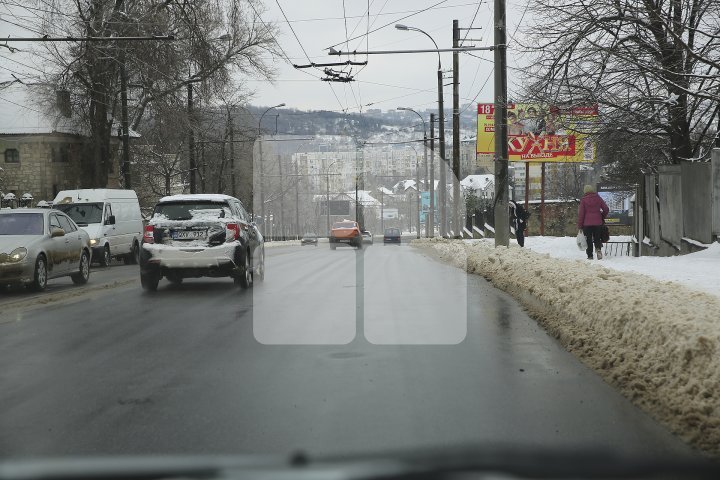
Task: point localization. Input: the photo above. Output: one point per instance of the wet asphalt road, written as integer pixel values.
(336, 352)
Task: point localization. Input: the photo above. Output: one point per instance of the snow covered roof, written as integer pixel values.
(207, 197)
(364, 198)
(26, 111)
(385, 191)
(404, 185)
(477, 182)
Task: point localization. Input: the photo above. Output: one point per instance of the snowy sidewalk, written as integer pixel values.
(699, 271)
(657, 342)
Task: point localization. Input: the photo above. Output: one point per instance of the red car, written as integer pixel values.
(346, 232)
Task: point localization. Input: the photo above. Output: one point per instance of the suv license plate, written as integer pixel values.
(188, 234)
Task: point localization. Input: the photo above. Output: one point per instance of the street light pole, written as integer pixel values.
(427, 228)
(191, 140)
(262, 180)
(441, 126)
(457, 229)
(431, 212)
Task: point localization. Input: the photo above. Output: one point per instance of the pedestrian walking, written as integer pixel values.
(591, 216)
(518, 220)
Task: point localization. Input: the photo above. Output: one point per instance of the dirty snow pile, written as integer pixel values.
(282, 243)
(657, 342)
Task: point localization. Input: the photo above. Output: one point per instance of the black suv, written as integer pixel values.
(204, 235)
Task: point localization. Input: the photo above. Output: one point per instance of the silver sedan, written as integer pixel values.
(39, 244)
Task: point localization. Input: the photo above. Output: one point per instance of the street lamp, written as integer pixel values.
(262, 192)
(427, 227)
(441, 125)
(327, 194)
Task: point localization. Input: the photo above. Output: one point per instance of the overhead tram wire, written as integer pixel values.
(391, 23)
(490, 74)
(301, 47)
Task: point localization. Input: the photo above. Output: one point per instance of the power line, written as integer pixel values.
(392, 23)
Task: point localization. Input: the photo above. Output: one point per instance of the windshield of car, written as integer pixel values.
(349, 249)
(21, 224)
(190, 210)
(83, 214)
(344, 225)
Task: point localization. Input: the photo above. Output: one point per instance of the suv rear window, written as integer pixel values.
(188, 210)
(344, 225)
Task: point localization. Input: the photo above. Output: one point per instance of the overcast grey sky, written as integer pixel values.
(388, 81)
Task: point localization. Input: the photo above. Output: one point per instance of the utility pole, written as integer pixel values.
(282, 200)
(417, 192)
(431, 211)
(456, 132)
(443, 165)
(191, 140)
(502, 216)
(232, 156)
(262, 181)
(125, 169)
(327, 200)
(297, 202)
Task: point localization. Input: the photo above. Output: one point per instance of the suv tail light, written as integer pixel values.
(235, 228)
(149, 234)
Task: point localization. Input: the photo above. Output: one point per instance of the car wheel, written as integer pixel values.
(174, 278)
(149, 281)
(39, 282)
(133, 258)
(106, 258)
(245, 279)
(83, 274)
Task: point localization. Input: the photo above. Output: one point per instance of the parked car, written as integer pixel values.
(37, 244)
(346, 232)
(309, 239)
(203, 235)
(111, 218)
(392, 235)
(367, 237)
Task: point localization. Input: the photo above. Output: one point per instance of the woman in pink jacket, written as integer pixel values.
(591, 215)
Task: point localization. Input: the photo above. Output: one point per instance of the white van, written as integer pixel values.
(111, 217)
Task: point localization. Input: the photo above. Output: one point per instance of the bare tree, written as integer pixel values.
(213, 40)
(652, 66)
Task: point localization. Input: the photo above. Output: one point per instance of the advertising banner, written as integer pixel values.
(617, 198)
(540, 134)
(391, 213)
(425, 207)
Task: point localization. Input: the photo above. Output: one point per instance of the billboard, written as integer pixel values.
(425, 207)
(337, 207)
(391, 213)
(618, 199)
(539, 134)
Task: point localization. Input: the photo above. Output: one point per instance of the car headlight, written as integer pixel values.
(93, 242)
(18, 254)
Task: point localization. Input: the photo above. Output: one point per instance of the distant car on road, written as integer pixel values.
(346, 232)
(201, 235)
(309, 239)
(367, 237)
(37, 244)
(392, 235)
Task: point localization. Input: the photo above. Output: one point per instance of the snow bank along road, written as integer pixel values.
(657, 342)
